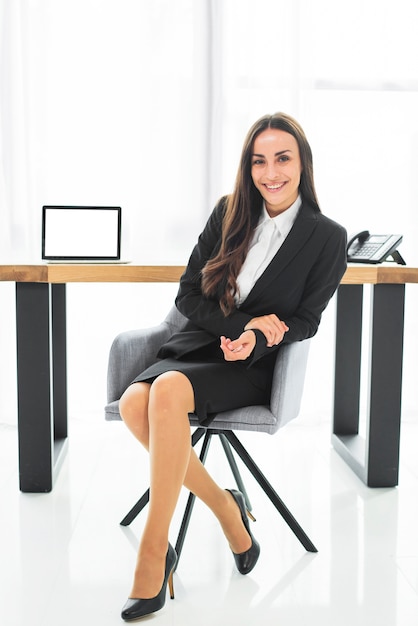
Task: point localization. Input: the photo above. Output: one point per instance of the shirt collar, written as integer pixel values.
(284, 220)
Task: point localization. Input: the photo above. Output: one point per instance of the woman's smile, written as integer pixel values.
(276, 187)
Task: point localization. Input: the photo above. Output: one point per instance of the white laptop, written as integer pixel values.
(81, 234)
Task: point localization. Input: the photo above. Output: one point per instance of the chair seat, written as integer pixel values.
(250, 418)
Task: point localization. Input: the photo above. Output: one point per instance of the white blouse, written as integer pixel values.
(268, 237)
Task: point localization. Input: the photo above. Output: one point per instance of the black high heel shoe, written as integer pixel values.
(245, 561)
(138, 607)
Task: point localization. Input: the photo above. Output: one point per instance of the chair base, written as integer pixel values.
(228, 439)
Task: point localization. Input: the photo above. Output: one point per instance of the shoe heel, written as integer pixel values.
(245, 561)
(171, 585)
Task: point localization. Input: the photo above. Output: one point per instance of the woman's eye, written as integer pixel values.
(258, 162)
(283, 158)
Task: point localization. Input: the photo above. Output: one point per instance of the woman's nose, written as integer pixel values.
(271, 170)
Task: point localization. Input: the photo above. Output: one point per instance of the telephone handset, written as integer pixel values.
(367, 248)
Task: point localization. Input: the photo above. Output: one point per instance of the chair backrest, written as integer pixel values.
(175, 320)
(133, 351)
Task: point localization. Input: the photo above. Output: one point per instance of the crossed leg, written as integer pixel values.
(157, 415)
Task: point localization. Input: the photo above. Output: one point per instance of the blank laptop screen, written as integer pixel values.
(81, 233)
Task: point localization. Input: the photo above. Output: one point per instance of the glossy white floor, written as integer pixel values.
(65, 560)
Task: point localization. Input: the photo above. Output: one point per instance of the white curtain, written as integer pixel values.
(145, 103)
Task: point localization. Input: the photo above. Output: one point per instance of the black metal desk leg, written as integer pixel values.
(348, 359)
(385, 386)
(59, 360)
(376, 459)
(40, 449)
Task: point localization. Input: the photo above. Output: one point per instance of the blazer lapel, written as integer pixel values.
(302, 229)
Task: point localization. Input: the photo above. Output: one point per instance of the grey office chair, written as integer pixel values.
(133, 351)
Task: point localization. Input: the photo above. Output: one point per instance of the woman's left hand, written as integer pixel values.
(271, 326)
(239, 349)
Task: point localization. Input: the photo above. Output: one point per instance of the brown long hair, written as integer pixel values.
(243, 208)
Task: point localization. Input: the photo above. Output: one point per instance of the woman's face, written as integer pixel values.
(276, 169)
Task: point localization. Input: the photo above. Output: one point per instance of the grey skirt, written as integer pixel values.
(218, 385)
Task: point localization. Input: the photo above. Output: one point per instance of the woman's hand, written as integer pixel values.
(239, 349)
(271, 326)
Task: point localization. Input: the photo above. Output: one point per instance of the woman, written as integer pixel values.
(262, 272)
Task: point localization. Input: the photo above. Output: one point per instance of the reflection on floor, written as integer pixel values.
(65, 560)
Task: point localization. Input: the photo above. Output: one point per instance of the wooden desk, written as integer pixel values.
(42, 374)
(375, 457)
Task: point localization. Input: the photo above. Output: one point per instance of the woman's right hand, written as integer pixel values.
(239, 349)
(271, 326)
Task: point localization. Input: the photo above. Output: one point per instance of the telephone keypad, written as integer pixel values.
(368, 250)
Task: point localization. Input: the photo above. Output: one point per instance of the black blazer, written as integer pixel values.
(297, 286)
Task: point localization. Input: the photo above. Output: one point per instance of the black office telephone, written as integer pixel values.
(367, 248)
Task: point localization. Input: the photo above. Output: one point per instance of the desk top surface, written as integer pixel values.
(131, 273)
(359, 274)
(91, 273)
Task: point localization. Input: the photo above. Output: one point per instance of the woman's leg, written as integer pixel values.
(148, 409)
(170, 399)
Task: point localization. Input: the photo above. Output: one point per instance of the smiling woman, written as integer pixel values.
(260, 276)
